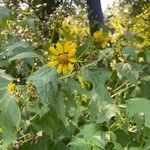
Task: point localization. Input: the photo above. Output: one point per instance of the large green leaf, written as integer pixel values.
(24, 55)
(90, 136)
(134, 148)
(46, 82)
(128, 70)
(10, 117)
(79, 144)
(4, 79)
(18, 49)
(93, 136)
(145, 90)
(4, 13)
(107, 112)
(72, 85)
(106, 54)
(148, 56)
(88, 131)
(98, 78)
(139, 105)
(16, 46)
(101, 101)
(129, 51)
(42, 144)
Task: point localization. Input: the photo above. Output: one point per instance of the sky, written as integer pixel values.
(105, 4)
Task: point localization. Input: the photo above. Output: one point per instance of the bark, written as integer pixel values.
(95, 15)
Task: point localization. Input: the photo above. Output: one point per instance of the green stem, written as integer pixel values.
(69, 75)
(123, 90)
(118, 88)
(90, 64)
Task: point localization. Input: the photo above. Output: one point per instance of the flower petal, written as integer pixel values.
(73, 46)
(66, 46)
(59, 48)
(11, 88)
(71, 52)
(54, 57)
(65, 69)
(59, 69)
(70, 67)
(54, 51)
(72, 59)
(52, 63)
(98, 34)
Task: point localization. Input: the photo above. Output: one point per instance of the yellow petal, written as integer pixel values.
(11, 88)
(71, 52)
(64, 69)
(72, 59)
(52, 63)
(70, 67)
(54, 51)
(59, 48)
(97, 34)
(66, 46)
(54, 57)
(73, 46)
(59, 69)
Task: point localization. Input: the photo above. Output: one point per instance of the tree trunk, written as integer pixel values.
(95, 15)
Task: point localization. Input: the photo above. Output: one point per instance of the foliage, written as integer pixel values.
(101, 103)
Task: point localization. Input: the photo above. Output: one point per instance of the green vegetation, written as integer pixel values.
(62, 88)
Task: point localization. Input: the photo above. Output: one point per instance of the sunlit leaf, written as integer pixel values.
(10, 117)
(139, 105)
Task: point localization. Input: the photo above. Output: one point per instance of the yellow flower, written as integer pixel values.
(102, 38)
(63, 56)
(11, 88)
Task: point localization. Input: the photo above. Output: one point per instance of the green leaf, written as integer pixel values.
(79, 144)
(46, 82)
(82, 49)
(92, 136)
(50, 124)
(5, 79)
(129, 51)
(98, 78)
(134, 148)
(122, 137)
(88, 131)
(30, 22)
(24, 55)
(16, 46)
(129, 70)
(106, 54)
(42, 144)
(139, 105)
(4, 13)
(60, 107)
(147, 139)
(107, 112)
(129, 36)
(145, 90)
(18, 49)
(73, 85)
(148, 56)
(100, 139)
(99, 94)
(10, 117)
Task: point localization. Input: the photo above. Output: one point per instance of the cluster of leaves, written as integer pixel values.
(132, 16)
(36, 20)
(102, 105)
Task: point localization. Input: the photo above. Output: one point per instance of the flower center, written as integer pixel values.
(63, 59)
